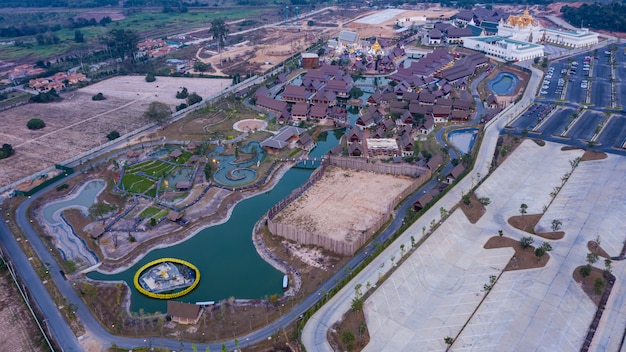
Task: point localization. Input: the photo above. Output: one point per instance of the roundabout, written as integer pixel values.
(166, 278)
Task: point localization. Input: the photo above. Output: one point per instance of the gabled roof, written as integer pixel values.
(183, 310)
(435, 34)
(295, 92)
(319, 111)
(271, 104)
(456, 171)
(300, 109)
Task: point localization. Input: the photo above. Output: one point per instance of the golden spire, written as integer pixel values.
(376, 47)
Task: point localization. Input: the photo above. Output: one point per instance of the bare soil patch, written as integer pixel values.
(522, 259)
(594, 248)
(505, 146)
(593, 155)
(587, 283)
(323, 208)
(19, 332)
(526, 222)
(474, 210)
(529, 221)
(354, 323)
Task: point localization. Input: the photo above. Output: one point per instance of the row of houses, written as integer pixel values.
(58, 81)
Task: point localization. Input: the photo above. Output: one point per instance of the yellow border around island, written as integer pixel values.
(166, 295)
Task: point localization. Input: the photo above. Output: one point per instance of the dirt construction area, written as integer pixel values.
(344, 202)
(17, 325)
(77, 123)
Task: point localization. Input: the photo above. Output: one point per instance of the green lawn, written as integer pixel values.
(149, 212)
(136, 184)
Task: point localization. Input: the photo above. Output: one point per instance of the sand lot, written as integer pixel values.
(163, 89)
(344, 202)
(77, 124)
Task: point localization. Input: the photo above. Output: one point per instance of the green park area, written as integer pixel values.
(142, 178)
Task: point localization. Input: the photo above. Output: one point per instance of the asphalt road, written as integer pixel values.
(614, 134)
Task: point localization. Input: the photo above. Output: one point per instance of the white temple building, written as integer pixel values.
(522, 37)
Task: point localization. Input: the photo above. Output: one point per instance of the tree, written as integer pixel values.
(121, 43)
(6, 151)
(78, 36)
(539, 252)
(607, 265)
(158, 112)
(598, 286)
(592, 258)
(113, 135)
(556, 224)
(98, 210)
(356, 92)
(200, 66)
(585, 270)
(448, 340)
(218, 30)
(35, 124)
(357, 304)
(193, 98)
(526, 242)
(150, 77)
(523, 209)
(98, 96)
(183, 94)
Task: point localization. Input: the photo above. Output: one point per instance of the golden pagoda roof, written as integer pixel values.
(522, 21)
(376, 46)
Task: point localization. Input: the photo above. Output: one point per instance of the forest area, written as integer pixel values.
(611, 17)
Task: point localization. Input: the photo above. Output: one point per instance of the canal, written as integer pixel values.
(228, 262)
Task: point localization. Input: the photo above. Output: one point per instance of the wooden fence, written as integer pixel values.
(354, 241)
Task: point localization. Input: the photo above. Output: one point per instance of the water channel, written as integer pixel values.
(228, 262)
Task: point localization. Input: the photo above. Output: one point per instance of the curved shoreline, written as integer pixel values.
(140, 252)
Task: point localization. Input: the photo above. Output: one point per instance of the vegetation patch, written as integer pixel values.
(592, 281)
(351, 333)
(524, 258)
(473, 207)
(594, 247)
(525, 222)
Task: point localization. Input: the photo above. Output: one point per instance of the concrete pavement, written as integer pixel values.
(314, 332)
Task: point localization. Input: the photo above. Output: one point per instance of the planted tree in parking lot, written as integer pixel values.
(523, 209)
(526, 242)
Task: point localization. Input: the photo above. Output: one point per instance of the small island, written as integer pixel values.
(167, 278)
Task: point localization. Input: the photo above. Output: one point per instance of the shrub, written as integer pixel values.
(98, 96)
(585, 270)
(44, 97)
(193, 98)
(526, 242)
(6, 151)
(183, 94)
(62, 187)
(598, 286)
(113, 135)
(181, 106)
(150, 77)
(35, 124)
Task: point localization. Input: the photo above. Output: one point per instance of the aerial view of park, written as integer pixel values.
(302, 176)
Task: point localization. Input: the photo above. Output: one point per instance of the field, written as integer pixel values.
(17, 325)
(77, 123)
(344, 202)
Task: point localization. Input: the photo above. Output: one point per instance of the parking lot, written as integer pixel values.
(575, 83)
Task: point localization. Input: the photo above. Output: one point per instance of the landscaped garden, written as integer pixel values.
(144, 177)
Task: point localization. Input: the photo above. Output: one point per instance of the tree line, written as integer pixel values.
(35, 29)
(58, 3)
(611, 17)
